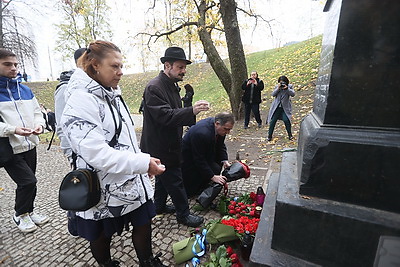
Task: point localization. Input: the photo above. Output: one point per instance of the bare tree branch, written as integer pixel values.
(167, 33)
(6, 4)
(257, 17)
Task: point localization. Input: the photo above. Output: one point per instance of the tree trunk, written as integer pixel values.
(236, 53)
(213, 56)
(231, 81)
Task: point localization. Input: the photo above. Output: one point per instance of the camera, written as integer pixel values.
(283, 84)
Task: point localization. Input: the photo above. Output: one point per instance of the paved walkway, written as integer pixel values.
(51, 245)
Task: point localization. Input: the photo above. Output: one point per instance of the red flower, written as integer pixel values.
(234, 257)
(243, 224)
(253, 196)
(229, 251)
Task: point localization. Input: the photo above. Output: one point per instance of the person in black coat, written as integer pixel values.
(163, 121)
(204, 152)
(252, 98)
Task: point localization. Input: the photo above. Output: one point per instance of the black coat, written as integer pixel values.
(201, 150)
(254, 96)
(163, 119)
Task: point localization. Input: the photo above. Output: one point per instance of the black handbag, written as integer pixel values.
(6, 151)
(80, 188)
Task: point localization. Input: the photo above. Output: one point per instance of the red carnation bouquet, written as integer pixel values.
(244, 205)
(242, 224)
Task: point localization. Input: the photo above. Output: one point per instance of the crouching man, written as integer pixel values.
(204, 153)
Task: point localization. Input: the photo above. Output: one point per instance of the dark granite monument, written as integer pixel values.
(350, 142)
(340, 193)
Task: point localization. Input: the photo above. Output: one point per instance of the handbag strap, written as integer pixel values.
(51, 139)
(113, 141)
(118, 128)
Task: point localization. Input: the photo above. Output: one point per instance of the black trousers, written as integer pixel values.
(171, 183)
(22, 170)
(256, 111)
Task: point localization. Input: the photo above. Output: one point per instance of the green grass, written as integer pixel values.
(299, 62)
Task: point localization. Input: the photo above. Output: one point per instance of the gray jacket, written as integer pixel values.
(59, 105)
(282, 96)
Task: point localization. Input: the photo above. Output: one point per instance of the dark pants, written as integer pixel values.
(194, 183)
(171, 183)
(279, 114)
(22, 170)
(256, 111)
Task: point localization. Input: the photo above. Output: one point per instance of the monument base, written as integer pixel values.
(310, 231)
(262, 254)
(352, 165)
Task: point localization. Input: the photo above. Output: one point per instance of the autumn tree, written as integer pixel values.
(83, 22)
(15, 33)
(208, 17)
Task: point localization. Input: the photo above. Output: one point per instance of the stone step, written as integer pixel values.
(262, 254)
(326, 232)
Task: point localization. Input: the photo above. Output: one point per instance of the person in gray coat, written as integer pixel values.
(281, 107)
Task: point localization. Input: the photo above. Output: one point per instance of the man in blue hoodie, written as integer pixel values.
(22, 122)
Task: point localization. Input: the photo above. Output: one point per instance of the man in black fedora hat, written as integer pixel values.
(163, 121)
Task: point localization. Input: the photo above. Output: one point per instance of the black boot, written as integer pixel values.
(152, 262)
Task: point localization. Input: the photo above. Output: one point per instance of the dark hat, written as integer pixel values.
(173, 54)
(78, 53)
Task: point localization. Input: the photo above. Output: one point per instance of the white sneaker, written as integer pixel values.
(39, 219)
(24, 223)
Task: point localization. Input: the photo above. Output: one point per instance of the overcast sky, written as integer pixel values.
(294, 20)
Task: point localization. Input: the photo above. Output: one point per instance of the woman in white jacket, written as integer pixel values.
(93, 113)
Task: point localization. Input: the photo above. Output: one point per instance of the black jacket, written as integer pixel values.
(163, 119)
(252, 96)
(201, 149)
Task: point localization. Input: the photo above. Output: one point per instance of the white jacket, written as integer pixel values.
(89, 126)
(19, 107)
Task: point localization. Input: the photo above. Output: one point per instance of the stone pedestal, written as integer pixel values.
(326, 232)
(350, 143)
(341, 192)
